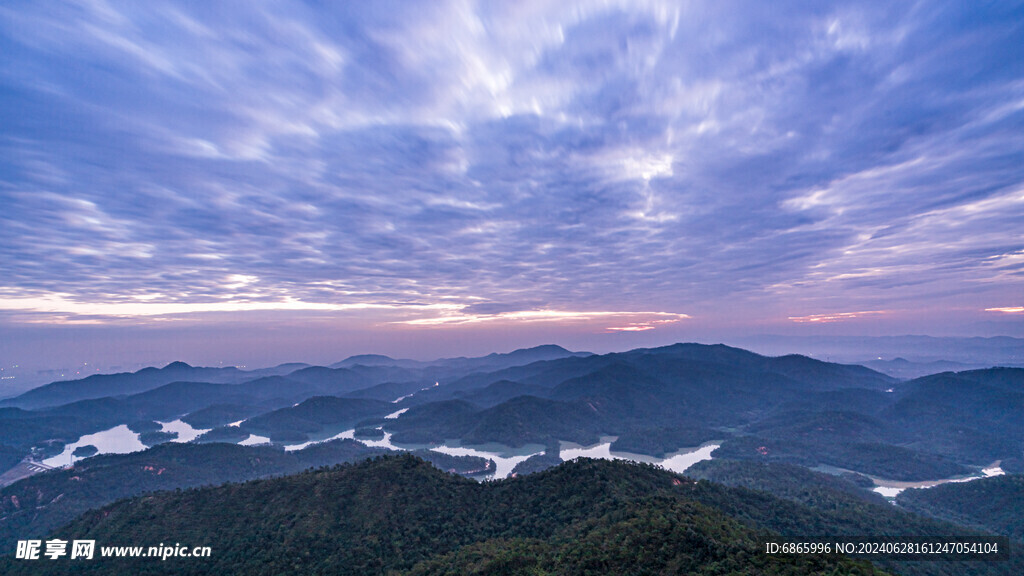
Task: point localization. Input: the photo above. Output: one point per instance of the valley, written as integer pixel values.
(653, 401)
(685, 409)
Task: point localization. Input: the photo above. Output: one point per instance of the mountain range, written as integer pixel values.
(763, 413)
(788, 408)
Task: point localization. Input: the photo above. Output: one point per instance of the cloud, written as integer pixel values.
(757, 161)
(834, 317)
(1007, 309)
(638, 320)
(64, 305)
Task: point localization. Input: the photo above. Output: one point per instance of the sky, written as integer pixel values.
(251, 182)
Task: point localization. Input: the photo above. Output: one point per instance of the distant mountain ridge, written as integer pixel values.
(103, 385)
(125, 383)
(655, 401)
(945, 353)
(493, 361)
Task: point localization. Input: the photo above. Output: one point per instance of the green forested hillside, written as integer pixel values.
(787, 481)
(33, 506)
(973, 416)
(399, 515)
(662, 440)
(878, 459)
(994, 504)
(549, 458)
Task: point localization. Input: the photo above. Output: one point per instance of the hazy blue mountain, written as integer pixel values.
(65, 423)
(702, 386)
(499, 392)
(976, 351)
(339, 381)
(435, 422)
(659, 441)
(974, 416)
(531, 420)
(24, 429)
(520, 357)
(215, 415)
(102, 385)
(860, 400)
(880, 459)
(622, 395)
(390, 391)
(774, 417)
(813, 374)
(800, 409)
(493, 361)
(279, 370)
(179, 398)
(229, 434)
(1013, 464)
(377, 360)
(10, 457)
(315, 415)
(543, 373)
(786, 409)
(331, 380)
(905, 369)
(827, 375)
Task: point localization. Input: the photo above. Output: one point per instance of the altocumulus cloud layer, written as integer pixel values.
(630, 165)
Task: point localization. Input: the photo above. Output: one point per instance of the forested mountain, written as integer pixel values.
(993, 504)
(397, 515)
(34, 506)
(774, 418)
(655, 401)
(789, 481)
(101, 385)
(974, 417)
(317, 414)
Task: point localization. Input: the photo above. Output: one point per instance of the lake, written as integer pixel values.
(116, 440)
(120, 440)
(504, 459)
(678, 461)
(254, 440)
(347, 434)
(186, 433)
(891, 488)
(503, 465)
